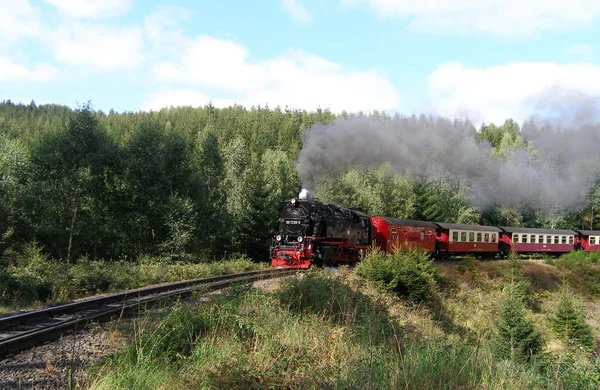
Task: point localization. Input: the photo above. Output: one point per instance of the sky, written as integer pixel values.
(486, 60)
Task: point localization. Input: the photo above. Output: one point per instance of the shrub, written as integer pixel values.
(515, 338)
(467, 264)
(327, 296)
(409, 273)
(568, 320)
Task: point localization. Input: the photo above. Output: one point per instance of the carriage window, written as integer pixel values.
(515, 238)
(548, 239)
(592, 240)
(479, 237)
(471, 236)
(422, 235)
(486, 237)
(564, 239)
(454, 236)
(571, 239)
(463, 236)
(540, 239)
(532, 238)
(493, 237)
(524, 238)
(556, 240)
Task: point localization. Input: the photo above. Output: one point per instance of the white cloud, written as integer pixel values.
(163, 30)
(505, 91)
(499, 17)
(295, 79)
(91, 8)
(296, 10)
(581, 49)
(98, 46)
(10, 71)
(18, 19)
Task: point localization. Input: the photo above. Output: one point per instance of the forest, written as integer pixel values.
(197, 184)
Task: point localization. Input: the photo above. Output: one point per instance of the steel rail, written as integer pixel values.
(110, 306)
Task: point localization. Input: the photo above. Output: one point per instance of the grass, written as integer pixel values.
(342, 331)
(32, 279)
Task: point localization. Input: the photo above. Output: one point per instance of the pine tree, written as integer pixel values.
(568, 320)
(515, 337)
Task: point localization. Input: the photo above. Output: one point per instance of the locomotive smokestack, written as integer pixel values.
(304, 194)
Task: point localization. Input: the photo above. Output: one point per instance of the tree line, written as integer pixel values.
(196, 183)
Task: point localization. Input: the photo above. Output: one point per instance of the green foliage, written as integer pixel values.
(445, 200)
(173, 338)
(379, 191)
(180, 218)
(568, 320)
(409, 273)
(515, 337)
(251, 339)
(584, 271)
(334, 301)
(467, 264)
(577, 259)
(32, 276)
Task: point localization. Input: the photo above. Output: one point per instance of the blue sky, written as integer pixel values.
(485, 59)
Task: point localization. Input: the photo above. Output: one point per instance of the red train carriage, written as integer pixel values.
(590, 240)
(463, 239)
(390, 234)
(533, 240)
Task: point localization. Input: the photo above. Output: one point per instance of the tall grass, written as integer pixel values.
(316, 333)
(31, 277)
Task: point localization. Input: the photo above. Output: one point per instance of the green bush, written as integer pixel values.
(409, 273)
(515, 337)
(568, 320)
(317, 292)
(467, 264)
(29, 278)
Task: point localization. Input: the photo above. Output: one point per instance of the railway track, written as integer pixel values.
(25, 330)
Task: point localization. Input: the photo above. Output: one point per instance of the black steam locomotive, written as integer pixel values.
(314, 232)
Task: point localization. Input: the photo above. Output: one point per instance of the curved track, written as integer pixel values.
(24, 330)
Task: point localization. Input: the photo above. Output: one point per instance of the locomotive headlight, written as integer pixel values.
(293, 201)
(299, 238)
(278, 238)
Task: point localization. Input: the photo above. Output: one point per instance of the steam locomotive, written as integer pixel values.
(323, 234)
(312, 232)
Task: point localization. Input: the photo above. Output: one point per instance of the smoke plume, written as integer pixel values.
(555, 172)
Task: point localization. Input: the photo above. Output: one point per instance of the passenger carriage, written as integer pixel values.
(391, 233)
(589, 240)
(464, 239)
(534, 240)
